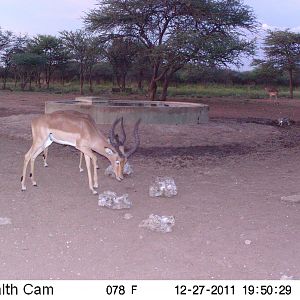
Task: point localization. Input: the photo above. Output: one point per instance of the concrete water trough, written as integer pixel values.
(151, 112)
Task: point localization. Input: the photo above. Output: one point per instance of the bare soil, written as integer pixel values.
(230, 220)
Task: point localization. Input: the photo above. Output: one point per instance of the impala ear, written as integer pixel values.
(109, 151)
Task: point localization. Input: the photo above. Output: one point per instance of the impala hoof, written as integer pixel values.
(94, 192)
(34, 184)
(45, 165)
(23, 189)
(80, 170)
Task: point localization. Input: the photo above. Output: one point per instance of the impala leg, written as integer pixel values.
(80, 162)
(45, 156)
(94, 162)
(88, 166)
(26, 161)
(29, 156)
(32, 171)
(37, 152)
(89, 153)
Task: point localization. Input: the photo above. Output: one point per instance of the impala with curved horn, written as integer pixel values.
(67, 128)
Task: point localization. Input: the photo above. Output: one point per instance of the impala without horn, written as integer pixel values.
(272, 92)
(67, 128)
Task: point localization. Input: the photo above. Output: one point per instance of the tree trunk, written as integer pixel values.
(4, 83)
(5, 79)
(164, 93)
(152, 89)
(47, 81)
(140, 80)
(81, 79)
(118, 81)
(123, 82)
(39, 80)
(16, 80)
(291, 84)
(153, 84)
(22, 82)
(90, 81)
(62, 80)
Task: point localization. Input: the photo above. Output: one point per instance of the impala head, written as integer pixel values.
(117, 156)
(117, 161)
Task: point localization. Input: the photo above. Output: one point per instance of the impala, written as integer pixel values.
(272, 92)
(112, 136)
(77, 130)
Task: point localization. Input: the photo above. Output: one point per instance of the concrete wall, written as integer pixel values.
(151, 112)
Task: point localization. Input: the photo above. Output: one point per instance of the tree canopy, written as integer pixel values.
(282, 53)
(177, 32)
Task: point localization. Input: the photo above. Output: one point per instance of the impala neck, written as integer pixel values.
(99, 147)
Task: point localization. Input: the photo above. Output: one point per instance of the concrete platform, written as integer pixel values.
(151, 112)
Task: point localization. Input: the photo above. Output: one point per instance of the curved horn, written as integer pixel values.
(136, 139)
(112, 131)
(122, 141)
(114, 138)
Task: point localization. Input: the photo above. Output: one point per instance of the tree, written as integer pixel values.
(172, 31)
(94, 54)
(121, 53)
(265, 72)
(51, 48)
(83, 49)
(282, 51)
(214, 50)
(27, 65)
(17, 44)
(5, 38)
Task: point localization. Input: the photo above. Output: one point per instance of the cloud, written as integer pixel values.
(266, 27)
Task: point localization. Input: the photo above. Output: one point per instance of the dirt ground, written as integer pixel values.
(230, 220)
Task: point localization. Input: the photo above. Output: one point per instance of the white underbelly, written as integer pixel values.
(60, 141)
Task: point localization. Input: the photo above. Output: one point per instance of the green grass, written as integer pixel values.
(218, 90)
(181, 90)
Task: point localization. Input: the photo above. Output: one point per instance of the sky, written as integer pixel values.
(279, 14)
(52, 16)
(43, 16)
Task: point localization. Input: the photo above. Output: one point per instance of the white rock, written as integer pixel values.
(159, 223)
(127, 170)
(128, 216)
(163, 186)
(111, 200)
(5, 221)
(292, 198)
